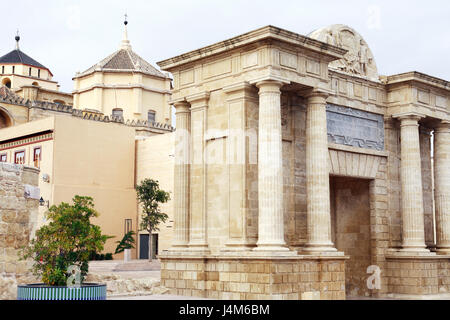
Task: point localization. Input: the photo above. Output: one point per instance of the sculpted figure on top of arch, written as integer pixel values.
(358, 60)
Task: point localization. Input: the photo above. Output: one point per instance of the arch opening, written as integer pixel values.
(5, 120)
(7, 83)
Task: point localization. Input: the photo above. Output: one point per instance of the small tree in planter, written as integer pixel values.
(150, 196)
(65, 244)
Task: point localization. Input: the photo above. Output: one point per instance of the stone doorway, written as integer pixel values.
(350, 213)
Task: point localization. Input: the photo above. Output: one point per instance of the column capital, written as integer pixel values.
(180, 103)
(443, 127)
(240, 86)
(198, 100)
(316, 93)
(269, 86)
(389, 122)
(241, 90)
(409, 116)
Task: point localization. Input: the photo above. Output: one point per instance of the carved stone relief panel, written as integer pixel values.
(355, 128)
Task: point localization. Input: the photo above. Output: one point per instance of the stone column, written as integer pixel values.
(442, 186)
(270, 169)
(317, 176)
(411, 180)
(198, 219)
(182, 174)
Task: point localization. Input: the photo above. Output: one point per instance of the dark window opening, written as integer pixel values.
(117, 112)
(151, 116)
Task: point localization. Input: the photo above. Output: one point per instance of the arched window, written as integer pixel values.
(7, 82)
(5, 119)
(117, 112)
(58, 101)
(35, 84)
(29, 72)
(151, 116)
(13, 69)
(39, 73)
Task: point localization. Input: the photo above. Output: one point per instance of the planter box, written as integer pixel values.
(40, 291)
(127, 255)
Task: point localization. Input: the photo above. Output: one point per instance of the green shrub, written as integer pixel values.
(69, 239)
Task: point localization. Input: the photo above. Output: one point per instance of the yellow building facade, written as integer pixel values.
(79, 157)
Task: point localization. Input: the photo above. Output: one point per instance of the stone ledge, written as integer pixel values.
(441, 296)
(251, 257)
(340, 147)
(417, 257)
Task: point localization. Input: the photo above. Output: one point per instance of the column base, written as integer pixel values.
(321, 249)
(273, 249)
(414, 251)
(200, 248)
(238, 247)
(177, 246)
(443, 250)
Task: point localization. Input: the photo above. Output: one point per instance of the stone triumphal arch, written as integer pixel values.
(298, 167)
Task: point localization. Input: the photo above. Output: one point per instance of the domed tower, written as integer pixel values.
(124, 84)
(17, 69)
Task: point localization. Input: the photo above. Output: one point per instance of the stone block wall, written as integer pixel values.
(16, 215)
(444, 276)
(418, 276)
(255, 278)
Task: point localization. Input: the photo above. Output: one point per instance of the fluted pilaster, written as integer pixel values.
(442, 186)
(411, 180)
(198, 237)
(270, 169)
(317, 176)
(182, 174)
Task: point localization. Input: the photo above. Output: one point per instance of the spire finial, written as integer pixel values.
(125, 44)
(17, 39)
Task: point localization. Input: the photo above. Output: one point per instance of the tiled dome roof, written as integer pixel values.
(18, 57)
(124, 60)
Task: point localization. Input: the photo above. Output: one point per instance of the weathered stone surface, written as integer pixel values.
(15, 213)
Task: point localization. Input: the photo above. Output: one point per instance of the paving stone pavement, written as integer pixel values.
(117, 272)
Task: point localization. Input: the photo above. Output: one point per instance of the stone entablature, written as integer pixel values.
(418, 93)
(268, 52)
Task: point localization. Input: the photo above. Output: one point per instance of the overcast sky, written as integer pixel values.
(68, 36)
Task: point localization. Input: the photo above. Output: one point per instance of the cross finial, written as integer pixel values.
(125, 44)
(17, 39)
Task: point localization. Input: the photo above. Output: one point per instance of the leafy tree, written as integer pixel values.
(127, 242)
(67, 240)
(150, 196)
